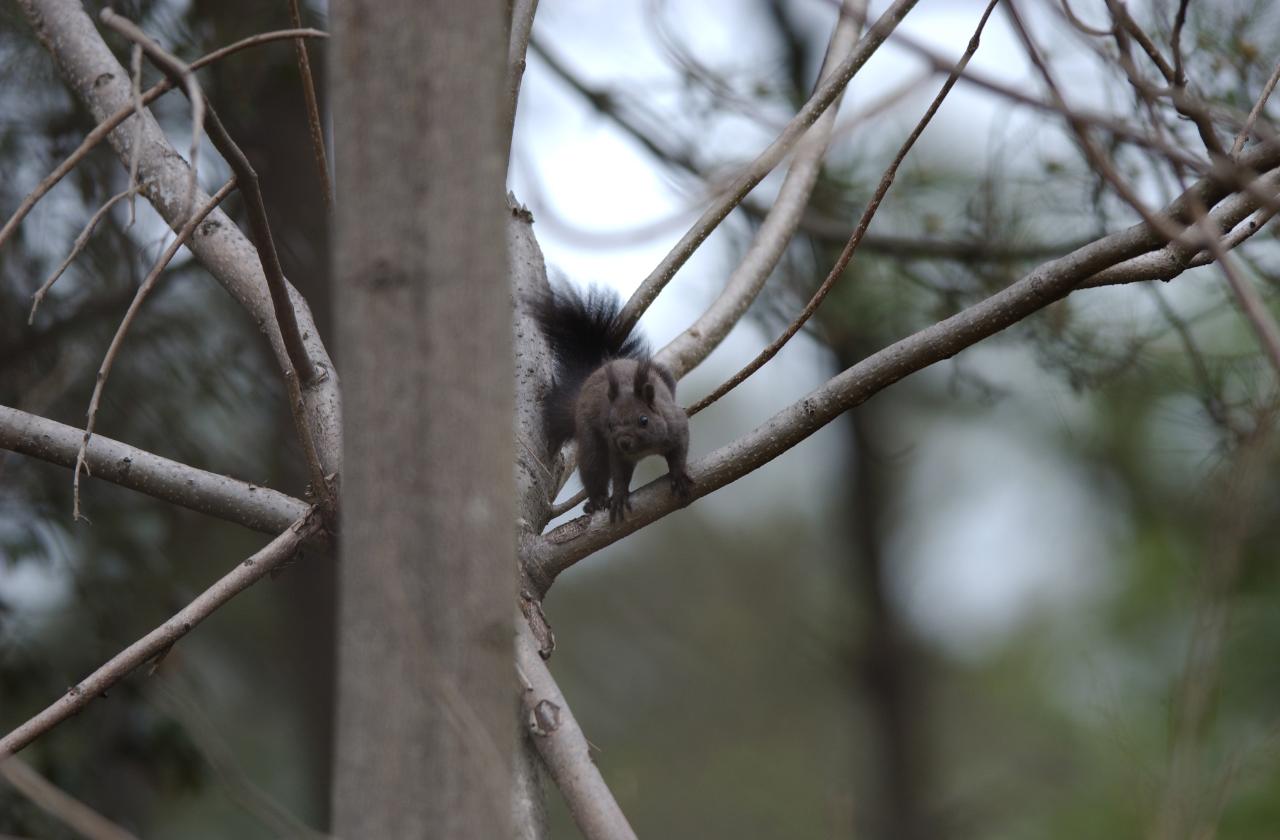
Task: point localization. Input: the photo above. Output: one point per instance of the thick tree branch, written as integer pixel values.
(756, 171)
(563, 747)
(163, 637)
(250, 505)
(95, 76)
(560, 548)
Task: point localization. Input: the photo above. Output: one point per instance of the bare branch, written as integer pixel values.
(118, 339)
(1254, 309)
(59, 804)
(176, 71)
(842, 262)
(81, 241)
(182, 75)
(764, 163)
(522, 14)
(563, 747)
(1255, 111)
(245, 573)
(135, 73)
(1181, 254)
(313, 107)
(693, 345)
(109, 124)
(1129, 25)
(250, 505)
(547, 556)
(1118, 129)
(1179, 20)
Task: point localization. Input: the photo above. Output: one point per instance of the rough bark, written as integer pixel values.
(425, 730)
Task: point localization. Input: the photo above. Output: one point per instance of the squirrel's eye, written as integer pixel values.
(644, 420)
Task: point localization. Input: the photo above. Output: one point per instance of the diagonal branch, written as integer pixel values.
(855, 239)
(756, 171)
(313, 107)
(96, 77)
(155, 643)
(112, 122)
(79, 245)
(177, 72)
(250, 505)
(564, 748)
(521, 29)
(687, 350)
(117, 340)
(59, 804)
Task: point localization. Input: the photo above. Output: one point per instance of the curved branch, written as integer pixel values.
(159, 640)
(250, 505)
(135, 305)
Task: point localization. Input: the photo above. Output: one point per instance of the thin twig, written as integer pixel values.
(886, 181)
(1126, 22)
(185, 76)
(1079, 24)
(247, 178)
(744, 283)
(1255, 111)
(99, 133)
(81, 241)
(1116, 128)
(1179, 20)
(313, 107)
(113, 350)
(245, 573)
(302, 370)
(135, 67)
(1254, 309)
(763, 164)
(59, 804)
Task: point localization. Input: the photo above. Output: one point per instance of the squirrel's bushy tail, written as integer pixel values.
(584, 332)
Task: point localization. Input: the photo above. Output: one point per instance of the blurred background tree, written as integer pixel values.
(1029, 592)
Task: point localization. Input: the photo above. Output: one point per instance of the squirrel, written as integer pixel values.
(609, 395)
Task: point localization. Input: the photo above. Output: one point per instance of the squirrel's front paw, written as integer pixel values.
(595, 504)
(682, 486)
(618, 505)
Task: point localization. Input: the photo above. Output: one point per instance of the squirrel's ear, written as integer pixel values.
(611, 374)
(646, 394)
(641, 378)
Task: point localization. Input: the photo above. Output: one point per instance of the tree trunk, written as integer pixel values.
(426, 689)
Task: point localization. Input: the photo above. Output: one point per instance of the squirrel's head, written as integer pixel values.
(636, 427)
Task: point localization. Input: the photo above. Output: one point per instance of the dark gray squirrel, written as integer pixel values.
(610, 396)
